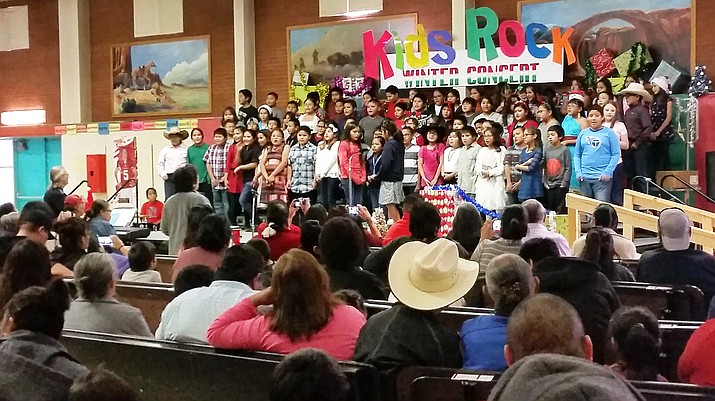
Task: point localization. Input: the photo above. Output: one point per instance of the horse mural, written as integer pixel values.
(144, 78)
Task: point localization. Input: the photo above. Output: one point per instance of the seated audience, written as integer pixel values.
(35, 223)
(264, 249)
(537, 228)
(196, 214)
(309, 375)
(142, 264)
(9, 224)
(213, 238)
(174, 217)
(309, 237)
(582, 285)
(33, 359)
(676, 263)
(340, 247)
(96, 308)
(466, 227)
(7, 208)
(514, 227)
(636, 334)
(101, 384)
(27, 265)
(509, 281)
(536, 249)
(74, 238)
(549, 358)
(599, 250)
(193, 276)
(606, 216)
(306, 314)
(280, 235)
(401, 228)
(696, 364)
(317, 213)
(75, 205)
(425, 278)
(352, 298)
(187, 316)
(99, 216)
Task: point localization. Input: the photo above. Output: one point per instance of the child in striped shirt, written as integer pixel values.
(410, 179)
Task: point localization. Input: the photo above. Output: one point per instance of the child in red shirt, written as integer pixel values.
(152, 209)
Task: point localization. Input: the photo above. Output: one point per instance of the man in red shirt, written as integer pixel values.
(696, 365)
(401, 228)
(392, 97)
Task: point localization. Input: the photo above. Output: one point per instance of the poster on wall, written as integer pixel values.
(161, 78)
(666, 28)
(332, 49)
(125, 156)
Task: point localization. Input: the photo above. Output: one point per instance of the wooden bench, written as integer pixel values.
(672, 302)
(164, 263)
(150, 299)
(452, 317)
(166, 371)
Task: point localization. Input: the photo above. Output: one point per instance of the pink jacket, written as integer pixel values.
(345, 150)
(241, 327)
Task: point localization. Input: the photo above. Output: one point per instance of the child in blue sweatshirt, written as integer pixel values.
(596, 155)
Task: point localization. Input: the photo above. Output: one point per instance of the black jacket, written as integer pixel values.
(354, 278)
(393, 162)
(583, 286)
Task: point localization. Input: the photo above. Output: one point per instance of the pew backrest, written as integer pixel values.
(452, 317)
(150, 299)
(164, 264)
(420, 383)
(672, 302)
(659, 391)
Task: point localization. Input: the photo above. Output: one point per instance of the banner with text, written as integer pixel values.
(465, 71)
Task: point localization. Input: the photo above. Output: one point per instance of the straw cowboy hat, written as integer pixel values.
(430, 276)
(176, 131)
(636, 88)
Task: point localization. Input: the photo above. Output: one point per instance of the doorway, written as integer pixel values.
(33, 158)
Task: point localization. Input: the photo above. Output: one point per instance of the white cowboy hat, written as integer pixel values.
(176, 131)
(430, 276)
(636, 88)
(662, 82)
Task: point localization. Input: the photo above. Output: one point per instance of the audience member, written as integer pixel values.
(606, 216)
(35, 224)
(142, 264)
(309, 375)
(340, 248)
(425, 278)
(27, 265)
(187, 316)
(280, 235)
(696, 364)
(305, 314)
(101, 384)
(582, 285)
(33, 359)
(508, 282)
(193, 276)
(7, 208)
(176, 209)
(537, 228)
(514, 228)
(9, 224)
(196, 214)
(213, 239)
(75, 205)
(352, 298)
(401, 228)
(99, 216)
(466, 227)
(536, 249)
(636, 334)
(309, 237)
(599, 250)
(317, 213)
(74, 238)
(676, 263)
(96, 308)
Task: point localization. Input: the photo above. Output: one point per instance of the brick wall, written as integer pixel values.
(112, 22)
(30, 78)
(274, 16)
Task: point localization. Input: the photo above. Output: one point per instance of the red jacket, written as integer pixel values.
(525, 124)
(696, 365)
(346, 150)
(400, 228)
(282, 242)
(235, 181)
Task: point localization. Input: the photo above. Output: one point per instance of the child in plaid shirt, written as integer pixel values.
(301, 167)
(216, 163)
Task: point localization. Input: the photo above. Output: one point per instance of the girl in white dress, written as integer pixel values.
(489, 169)
(451, 158)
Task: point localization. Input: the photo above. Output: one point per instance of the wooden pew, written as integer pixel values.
(658, 391)
(672, 302)
(166, 371)
(164, 263)
(150, 299)
(452, 317)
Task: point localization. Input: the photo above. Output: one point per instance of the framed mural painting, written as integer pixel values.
(331, 49)
(665, 27)
(165, 77)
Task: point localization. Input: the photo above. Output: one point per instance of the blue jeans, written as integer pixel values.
(169, 187)
(357, 192)
(617, 185)
(599, 190)
(373, 193)
(328, 190)
(221, 205)
(246, 200)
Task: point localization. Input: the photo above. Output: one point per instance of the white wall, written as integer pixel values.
(7, 176)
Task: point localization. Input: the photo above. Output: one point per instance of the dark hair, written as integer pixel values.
(402, 105)
(151, 188)
(185, 177)
(636, 334)
(247, 94)
(536, 249)
(275, 95)
(196, 214)
(410, 201)
(577, 102)
(341, 243)
(599, 249)
(214, 233)
(559, 130)
(607, 83)
(595, 107)
(352, 298)
(509, 281)
(349, 127)
(425, 221)
(305, 129)
(101, 384)
(455, 93)
(192, 276)
(303, 302)
(262, 247)
(37, 214)
(420, 96)
(26, 265)
(98, 206)
(466, 227)
(310, 237)
(514, 224)
(470, 100)
(308, 375)
(351, 102)
(272, 118)
(496, 130)
(241, 263)
(6, 208)
(392, 131)
(392, 89)
(40, 309)
(605, 216)
(317, 213)
(223, 121)
(221, 131)
(277, 214)
(71, 232)
(294, 103)
(141, 255)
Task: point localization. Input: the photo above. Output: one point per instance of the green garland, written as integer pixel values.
(638, 58)
(590, 78)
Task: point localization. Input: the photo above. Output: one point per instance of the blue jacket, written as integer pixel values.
(484, 338)
(597, 152)
(393, 162)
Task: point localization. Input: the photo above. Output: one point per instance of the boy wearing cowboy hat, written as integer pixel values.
(639, 126)
(171, 158)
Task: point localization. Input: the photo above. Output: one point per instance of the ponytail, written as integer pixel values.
(96, 209)
(636, 334)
